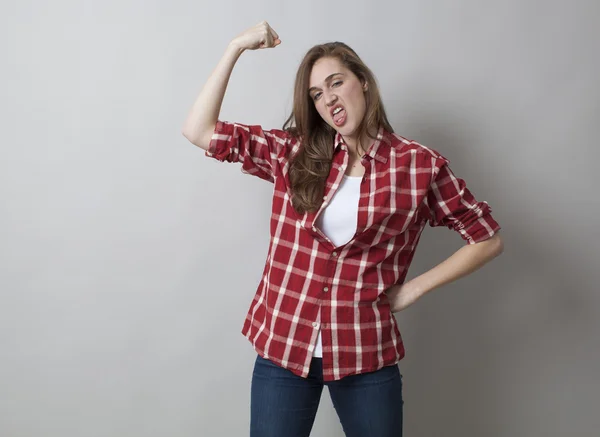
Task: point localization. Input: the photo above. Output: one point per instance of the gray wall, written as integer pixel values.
(128, 259)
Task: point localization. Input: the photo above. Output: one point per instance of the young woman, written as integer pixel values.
(351, 199)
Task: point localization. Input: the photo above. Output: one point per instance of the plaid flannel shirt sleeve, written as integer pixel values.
(451, 204)
(257, 149)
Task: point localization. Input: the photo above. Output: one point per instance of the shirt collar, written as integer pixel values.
(379, 150)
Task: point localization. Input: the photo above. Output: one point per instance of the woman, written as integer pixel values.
(351, 199)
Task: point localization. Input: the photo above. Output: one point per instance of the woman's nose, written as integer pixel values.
(330, 99)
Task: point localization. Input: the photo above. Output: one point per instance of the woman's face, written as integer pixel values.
(331, 85)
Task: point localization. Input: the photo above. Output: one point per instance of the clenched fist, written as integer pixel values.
(261, 36)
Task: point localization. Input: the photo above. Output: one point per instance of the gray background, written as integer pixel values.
(129, 259)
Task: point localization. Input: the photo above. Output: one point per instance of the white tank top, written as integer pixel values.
(338, 222)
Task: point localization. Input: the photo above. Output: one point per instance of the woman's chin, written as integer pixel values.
(345, 130)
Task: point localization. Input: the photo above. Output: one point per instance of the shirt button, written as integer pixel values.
(315, 324)
(324, 197)
(326, 289)
(334, 253)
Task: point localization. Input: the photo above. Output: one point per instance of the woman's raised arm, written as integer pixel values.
(200, 123)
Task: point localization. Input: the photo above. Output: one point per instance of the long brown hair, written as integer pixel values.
(309, 168)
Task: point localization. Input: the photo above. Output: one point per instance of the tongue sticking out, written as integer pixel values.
(339, 117)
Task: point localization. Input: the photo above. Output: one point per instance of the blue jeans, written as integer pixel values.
(285, 405)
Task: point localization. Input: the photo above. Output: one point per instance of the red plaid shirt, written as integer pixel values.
(309, 284)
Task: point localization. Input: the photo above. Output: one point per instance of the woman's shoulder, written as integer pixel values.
(406, 145)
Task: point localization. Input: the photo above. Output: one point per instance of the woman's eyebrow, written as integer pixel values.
(326, 80)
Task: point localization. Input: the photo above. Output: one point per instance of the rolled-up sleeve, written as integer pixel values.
(258, 150)
(451, 204)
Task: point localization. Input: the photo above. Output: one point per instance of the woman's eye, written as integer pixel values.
(316, 95)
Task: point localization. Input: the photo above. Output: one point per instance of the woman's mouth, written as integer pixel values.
(340, 118)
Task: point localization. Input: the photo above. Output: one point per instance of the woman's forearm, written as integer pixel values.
(464, 261)
(200, 123)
